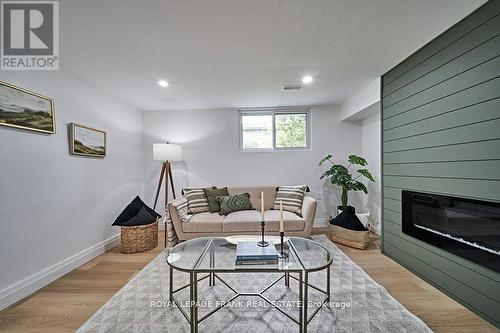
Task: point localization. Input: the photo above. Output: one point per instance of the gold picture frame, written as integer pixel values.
(26, 109)
(87, 141)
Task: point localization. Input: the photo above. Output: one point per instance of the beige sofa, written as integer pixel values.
(243, 222)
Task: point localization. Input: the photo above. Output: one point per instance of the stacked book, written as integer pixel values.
(249, 253)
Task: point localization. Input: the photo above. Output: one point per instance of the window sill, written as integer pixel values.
(275, 150)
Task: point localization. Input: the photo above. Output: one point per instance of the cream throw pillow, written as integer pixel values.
(292, 197)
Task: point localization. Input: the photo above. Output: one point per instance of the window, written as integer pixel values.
(274, 129)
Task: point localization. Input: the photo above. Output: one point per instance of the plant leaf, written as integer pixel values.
(357, 160)
(340, 178)
(327, 173)
(349, 185)
(367, 174)
(328, 157)
(359, 186)
(339, 168)
(339, 174)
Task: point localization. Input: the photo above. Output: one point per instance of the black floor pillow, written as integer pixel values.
(136, 213)
(348, 219)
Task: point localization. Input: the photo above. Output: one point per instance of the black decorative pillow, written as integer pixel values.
(141, 218)
(136, 213)
(348, 219)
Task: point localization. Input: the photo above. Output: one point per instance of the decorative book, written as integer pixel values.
(257, 262)
(247, 251)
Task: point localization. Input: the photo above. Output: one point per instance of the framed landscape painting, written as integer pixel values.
(87, 141)
(21, 108)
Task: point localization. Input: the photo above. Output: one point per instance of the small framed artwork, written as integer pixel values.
(87, 141)
(21, 108)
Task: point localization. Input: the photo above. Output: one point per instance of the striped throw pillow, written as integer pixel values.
(197, 200)
(292, 197)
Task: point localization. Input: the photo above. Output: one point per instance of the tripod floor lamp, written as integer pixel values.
(167, 153)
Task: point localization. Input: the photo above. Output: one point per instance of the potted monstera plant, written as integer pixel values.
(347, 227)
(342, 176)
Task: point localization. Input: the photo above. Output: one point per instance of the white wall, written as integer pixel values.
(212, 156)
(371, 151)
(364, 107)
(359, 106)
(56, 209)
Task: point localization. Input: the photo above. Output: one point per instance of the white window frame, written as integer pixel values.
(273, 112)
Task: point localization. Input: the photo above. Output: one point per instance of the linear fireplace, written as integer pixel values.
(468, 228)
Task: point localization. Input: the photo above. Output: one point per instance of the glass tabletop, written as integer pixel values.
(185, 255)
(216, 254)
(312, 255)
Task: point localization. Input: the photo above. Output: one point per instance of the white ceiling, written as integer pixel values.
(238, 53)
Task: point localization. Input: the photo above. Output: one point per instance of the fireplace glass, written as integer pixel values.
(465, 227)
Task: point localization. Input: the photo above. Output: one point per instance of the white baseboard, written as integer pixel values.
(376, 229)
(320, 223)
(26, 287)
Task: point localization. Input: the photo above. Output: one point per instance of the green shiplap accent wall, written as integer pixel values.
(441, 134)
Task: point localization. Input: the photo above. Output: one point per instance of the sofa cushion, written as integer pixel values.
(292, 221)
(245, 220)
(204, 222)
(249, 221)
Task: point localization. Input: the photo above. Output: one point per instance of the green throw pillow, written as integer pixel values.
(212, 195)
(234, 203)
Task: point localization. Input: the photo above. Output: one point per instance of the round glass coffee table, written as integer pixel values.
(210, 257)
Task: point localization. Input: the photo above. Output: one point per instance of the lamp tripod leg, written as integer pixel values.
(162, 172)
(167, 173)
(171, 181)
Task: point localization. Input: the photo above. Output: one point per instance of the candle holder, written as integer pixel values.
(282, 254)
(262, 242)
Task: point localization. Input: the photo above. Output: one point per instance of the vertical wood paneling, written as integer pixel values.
(441, 134)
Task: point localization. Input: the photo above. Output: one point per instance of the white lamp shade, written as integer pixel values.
(167, 152)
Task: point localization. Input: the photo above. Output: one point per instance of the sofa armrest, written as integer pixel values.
(177, 214)
(309, 213)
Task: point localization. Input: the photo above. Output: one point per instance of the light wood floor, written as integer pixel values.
(68, 302)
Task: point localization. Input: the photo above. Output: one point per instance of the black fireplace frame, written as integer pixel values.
(471, 253)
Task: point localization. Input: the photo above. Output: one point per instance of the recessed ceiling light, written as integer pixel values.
(162, 83)
(307, 79)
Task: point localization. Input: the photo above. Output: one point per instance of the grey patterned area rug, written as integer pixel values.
(358, 304)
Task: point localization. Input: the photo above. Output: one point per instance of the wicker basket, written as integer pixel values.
(357, 239)
(139, 238)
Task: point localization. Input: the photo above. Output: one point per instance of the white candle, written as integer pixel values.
(282, 227)
(262, 204)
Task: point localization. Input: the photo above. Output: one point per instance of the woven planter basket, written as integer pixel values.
(357, 239)
(139, 238)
